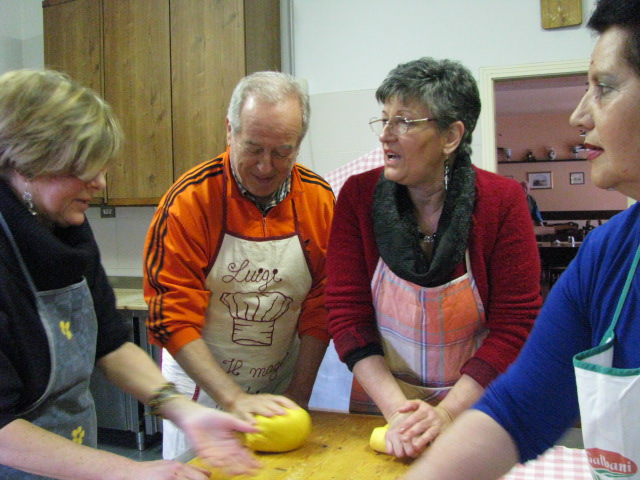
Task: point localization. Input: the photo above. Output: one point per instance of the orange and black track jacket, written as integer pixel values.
(187, 231)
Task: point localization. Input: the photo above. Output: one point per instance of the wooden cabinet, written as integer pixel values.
(75, 47)
(168, 68)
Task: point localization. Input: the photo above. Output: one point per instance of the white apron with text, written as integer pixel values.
(609, 401)
(258, 286)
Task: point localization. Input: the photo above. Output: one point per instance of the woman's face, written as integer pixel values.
(415, 159)
(609, 112)
(64, 199)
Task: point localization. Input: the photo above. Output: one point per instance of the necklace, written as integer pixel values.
(427, 239)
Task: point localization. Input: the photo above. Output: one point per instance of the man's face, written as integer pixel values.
(264, 151)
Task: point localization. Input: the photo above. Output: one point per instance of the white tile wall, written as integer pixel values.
(121, 239)
(339, 130)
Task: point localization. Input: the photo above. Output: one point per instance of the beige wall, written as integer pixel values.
(563, 195)
(539, 132)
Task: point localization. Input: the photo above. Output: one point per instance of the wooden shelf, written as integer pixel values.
(515, 162)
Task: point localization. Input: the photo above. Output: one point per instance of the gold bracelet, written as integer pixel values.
(162, 395)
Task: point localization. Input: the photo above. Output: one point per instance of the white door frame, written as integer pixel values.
(488, 77)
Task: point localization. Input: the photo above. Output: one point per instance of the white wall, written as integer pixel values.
(21, 34)
(344, 49)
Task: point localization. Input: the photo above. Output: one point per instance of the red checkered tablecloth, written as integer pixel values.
(369, 161)
(558, 463)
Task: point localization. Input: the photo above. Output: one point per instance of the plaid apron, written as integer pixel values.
(427, 334)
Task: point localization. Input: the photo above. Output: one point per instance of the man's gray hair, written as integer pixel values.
(270, 87)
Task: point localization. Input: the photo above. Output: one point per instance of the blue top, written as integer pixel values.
(536, 399)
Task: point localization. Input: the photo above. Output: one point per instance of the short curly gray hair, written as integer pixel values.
(446, 87)
(271, 87)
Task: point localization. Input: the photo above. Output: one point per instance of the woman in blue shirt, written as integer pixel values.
(588, 328)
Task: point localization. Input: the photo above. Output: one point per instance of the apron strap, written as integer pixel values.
(608, 336)
(16, 251)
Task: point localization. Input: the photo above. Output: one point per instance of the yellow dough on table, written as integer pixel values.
(378, 439)
(280, 433)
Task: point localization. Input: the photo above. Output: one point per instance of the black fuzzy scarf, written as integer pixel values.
(398, 238)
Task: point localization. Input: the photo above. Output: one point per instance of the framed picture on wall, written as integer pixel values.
(539, 180)
(576, 178)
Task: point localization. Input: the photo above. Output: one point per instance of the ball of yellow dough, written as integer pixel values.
(280, 433)
(377, 440)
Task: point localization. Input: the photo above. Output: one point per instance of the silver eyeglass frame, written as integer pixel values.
(398, 125)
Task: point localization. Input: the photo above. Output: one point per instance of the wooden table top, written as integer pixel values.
(338, 448)
(129, 299)
(544, 230)
(575, 245)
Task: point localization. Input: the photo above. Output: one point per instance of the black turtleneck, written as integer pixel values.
(54, 258)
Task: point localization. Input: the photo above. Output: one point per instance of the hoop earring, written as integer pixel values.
(447, 174)
(28, 199)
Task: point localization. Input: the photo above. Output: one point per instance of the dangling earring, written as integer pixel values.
(28, 199)
(447, 172)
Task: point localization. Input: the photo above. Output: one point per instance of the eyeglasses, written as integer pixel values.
(397, 125)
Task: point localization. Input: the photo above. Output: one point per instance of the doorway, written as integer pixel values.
(488, 78)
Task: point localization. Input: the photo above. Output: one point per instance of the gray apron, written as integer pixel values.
(66, 407)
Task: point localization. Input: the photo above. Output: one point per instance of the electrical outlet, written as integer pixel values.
(107, 212)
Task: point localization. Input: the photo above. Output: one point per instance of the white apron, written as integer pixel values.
(427, 334)
(257, 289)
(66, 407)
(609, 400)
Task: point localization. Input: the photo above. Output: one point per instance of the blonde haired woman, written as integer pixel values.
(57, 310)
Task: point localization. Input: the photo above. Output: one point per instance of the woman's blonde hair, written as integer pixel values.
(51, 126)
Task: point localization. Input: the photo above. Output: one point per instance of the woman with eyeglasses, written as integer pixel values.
(433, 268)
(58, 316)
(582, 359)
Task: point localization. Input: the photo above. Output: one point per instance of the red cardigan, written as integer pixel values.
(504, 261)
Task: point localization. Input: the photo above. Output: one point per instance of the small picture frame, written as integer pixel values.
(576, 178)
(539, 180)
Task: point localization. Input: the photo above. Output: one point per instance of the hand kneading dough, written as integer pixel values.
(377, 440)
(280, 433)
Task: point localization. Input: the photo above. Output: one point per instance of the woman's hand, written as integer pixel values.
(414, 426)
(214, 437)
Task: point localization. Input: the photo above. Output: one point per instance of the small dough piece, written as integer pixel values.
(280, 433)
(378, 439)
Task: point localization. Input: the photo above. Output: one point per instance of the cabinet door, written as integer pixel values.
(207, 60)
(73, 40)
(262, 35)
(137, 85)
(73, 43)
(214, 43)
